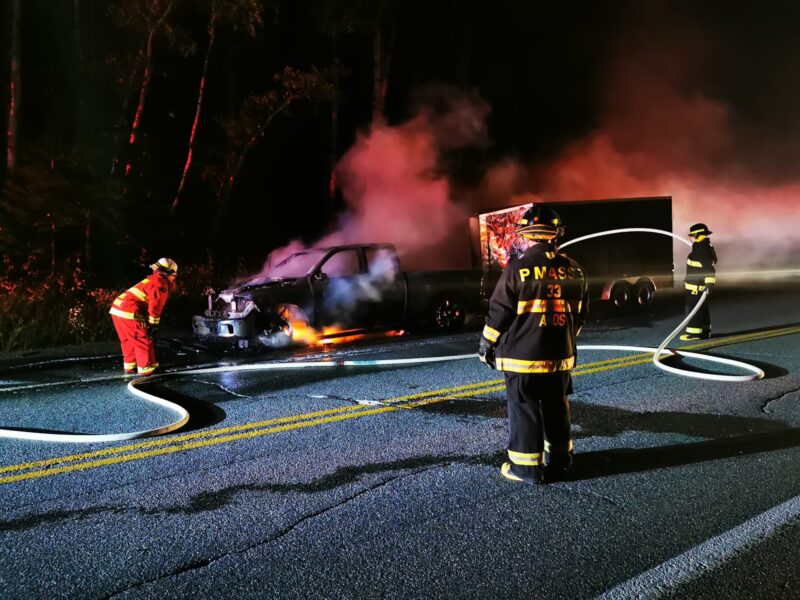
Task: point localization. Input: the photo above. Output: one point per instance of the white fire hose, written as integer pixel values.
(661, 351)
(133, 386)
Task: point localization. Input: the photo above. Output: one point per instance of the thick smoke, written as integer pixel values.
(670, 127)
(674, 119)
(346, 295)
(396, 191)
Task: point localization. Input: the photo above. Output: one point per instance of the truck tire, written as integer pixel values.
(643, 293)
(620, 294)
(448, 312)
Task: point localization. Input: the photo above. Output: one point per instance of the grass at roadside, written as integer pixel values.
(44, 311)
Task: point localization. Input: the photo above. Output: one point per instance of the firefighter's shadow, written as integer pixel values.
(731, 436)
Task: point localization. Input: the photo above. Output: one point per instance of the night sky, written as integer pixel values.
(488, 104)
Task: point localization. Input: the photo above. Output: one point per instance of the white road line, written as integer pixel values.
(704, 558)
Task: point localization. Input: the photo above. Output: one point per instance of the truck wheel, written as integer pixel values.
(448, 312)
(643, 293)
(620, 294)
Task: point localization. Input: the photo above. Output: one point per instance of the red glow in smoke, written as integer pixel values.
(660, 135)
(395, 192)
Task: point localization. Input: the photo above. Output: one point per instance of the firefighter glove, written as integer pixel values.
(486, 353)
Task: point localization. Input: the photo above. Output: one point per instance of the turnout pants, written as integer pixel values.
(538, 421)
(700, 324)
(138, 348)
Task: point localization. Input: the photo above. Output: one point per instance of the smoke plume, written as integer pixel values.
(670, 127)
(396, 190)
(676, 116)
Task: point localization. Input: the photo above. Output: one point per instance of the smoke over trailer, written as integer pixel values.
(625, 269)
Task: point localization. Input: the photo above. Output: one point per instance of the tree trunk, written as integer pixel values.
(377, 73)
(333, 155)
(52, 246)
(76, 30)
(88, 241)
(148, 73)
(236, 167)
(12, 131)
(198, 109)
(79, 74)
(382, 60)
(122, 122)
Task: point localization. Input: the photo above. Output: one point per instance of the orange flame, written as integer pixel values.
(302, 333)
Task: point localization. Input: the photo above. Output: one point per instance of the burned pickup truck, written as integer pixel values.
(328, 291)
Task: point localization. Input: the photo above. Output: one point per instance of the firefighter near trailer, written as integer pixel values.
(534, 315)
(700, 277)
(136, 313)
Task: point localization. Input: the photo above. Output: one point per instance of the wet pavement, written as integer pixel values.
(370, 482)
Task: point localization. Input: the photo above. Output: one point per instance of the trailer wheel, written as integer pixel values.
(644, 292)
(448, 312)
(620, 294)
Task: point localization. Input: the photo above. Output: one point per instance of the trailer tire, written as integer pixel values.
(448, 312)
(620, 294)
(644, 292)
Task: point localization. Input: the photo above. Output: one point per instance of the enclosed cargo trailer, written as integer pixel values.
(624, 268)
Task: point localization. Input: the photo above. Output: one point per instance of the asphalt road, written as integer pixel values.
(365, 482)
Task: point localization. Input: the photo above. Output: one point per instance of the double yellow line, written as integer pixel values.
(199, 439)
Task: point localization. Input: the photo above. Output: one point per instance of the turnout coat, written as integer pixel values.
(536, 310)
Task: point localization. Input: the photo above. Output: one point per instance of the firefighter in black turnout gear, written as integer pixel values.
(535, 312)
(700, 276)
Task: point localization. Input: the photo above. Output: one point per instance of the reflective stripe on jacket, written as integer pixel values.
(700, 271)
(144, 301)
(536, 309)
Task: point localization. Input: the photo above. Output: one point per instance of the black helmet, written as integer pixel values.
(699, 229)
(540, 223)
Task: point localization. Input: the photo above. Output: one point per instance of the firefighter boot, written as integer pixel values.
(532, 475)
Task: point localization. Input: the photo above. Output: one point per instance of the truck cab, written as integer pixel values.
(353, 285)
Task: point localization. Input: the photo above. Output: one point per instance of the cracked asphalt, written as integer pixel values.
(363, 482)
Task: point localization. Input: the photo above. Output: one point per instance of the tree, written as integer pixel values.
(257, 113)
(39, 202)
(384, 30)
(14, 88)
(376, 18)
(147, 17)
(241, 16)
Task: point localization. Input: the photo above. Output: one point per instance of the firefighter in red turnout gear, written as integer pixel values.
(700, 276)
(535, 312)
(137, 312)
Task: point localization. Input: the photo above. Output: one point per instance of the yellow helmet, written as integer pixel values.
(165, 265)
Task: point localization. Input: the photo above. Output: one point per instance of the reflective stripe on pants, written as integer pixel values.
(700, 324)
(538, 409)
(137, 346)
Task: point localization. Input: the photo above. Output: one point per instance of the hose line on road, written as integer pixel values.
(662, 351)
(134, 386)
